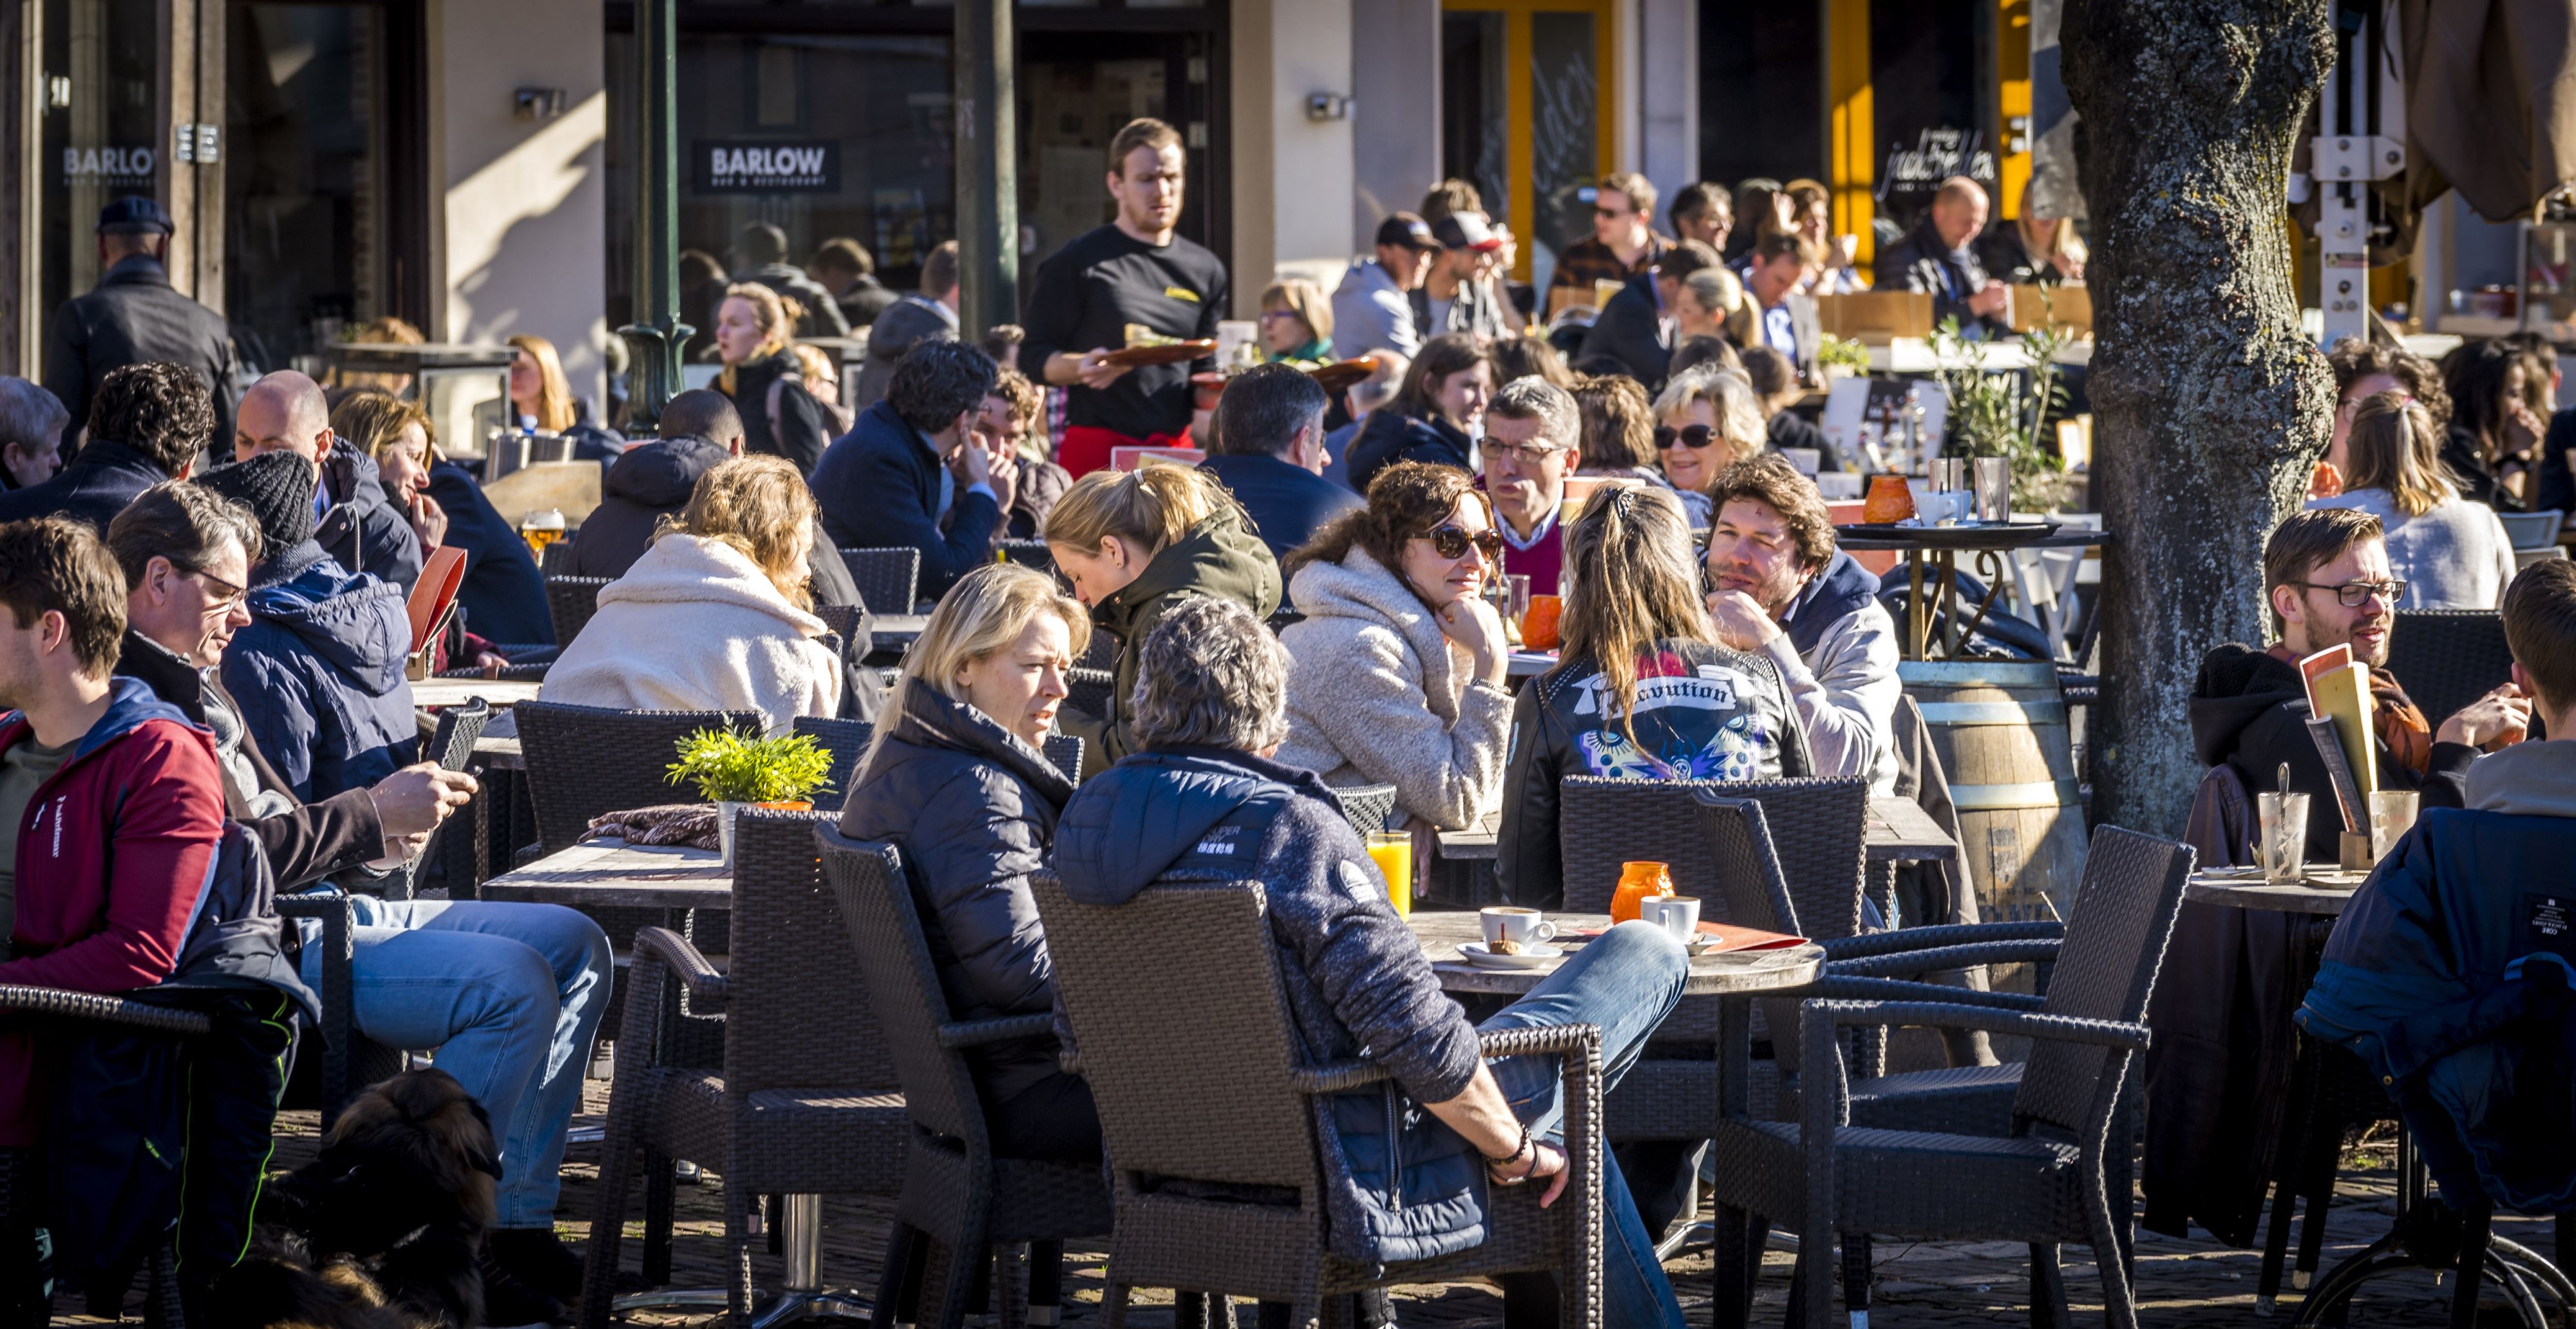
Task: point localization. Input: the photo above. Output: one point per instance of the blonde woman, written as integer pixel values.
(814, 370)
(1707, 301)
(957, 777)
(754, 326)
(1641, 690)
(715, 616)
(1705, 421)
(2032, 248)
(2450, 552)
(1296, 321)
(1132, 543)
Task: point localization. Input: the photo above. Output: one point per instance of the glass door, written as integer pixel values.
(101, 100)
(1526, 113)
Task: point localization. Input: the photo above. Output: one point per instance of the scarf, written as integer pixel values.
(2400, 726)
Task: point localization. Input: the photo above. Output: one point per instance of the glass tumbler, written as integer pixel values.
(2285, 837)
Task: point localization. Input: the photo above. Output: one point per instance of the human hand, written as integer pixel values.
(2503, 714)
(2523, 430)
(1002, 472)
(415, 799)
(1547, 1161)
(2325, 481)
(1990, 299)
(428, 521)
(1741, 622)
(1097, 372)
(1473, 624)
(490, 664)
(1845, 251)
(400, 850)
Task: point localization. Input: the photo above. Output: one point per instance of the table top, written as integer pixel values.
(2245, 890)
(1711, 975)
(613, 874)
(1531, 664)
(501, 692)
(1897, 830)
(1963, 538)
(895, 629)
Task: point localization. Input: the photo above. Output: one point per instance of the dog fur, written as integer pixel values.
(383, 1229)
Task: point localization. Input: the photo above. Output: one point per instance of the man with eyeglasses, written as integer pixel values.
(2327, 578)
(1533, 437)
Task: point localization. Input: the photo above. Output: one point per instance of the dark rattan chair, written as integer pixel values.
(803, 1105)
(1065, 751)
(847, 741)
(1217, 1095)
(956, 1191)
(1033, 553)
(887, 578)
(1087, 690)
(557, 560)
(571, 601)
(451, 745)
(2447, 658)
(2048, 1179)
(583, 761)
(1369, 807)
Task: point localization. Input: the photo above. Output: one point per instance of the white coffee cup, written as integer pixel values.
(1521, 927)
(1675, 914)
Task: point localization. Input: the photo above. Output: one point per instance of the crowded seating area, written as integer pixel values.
(1567, 798)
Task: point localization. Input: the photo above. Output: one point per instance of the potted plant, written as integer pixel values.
(736, 770)
(1997, 413)
(1841, 357)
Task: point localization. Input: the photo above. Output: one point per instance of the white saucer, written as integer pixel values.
(1530, 957)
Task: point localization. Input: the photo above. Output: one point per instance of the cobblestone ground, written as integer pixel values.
(2182, 1284)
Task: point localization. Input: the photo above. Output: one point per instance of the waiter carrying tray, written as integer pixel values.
(1133, 271)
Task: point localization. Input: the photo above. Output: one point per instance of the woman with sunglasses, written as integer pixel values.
(1396, 674)
(1436, 413)
(1296, 322)
(1705, 421)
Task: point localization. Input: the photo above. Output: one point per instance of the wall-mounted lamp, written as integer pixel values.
(538, 103)
(1321, 106)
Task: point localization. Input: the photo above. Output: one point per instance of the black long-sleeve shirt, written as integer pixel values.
(1087, 294)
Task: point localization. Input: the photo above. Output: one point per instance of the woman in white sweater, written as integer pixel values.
(713, 616)
(1396, 674)
(2451, 552)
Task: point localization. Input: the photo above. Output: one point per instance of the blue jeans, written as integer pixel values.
(510, 995)
(1626, 981)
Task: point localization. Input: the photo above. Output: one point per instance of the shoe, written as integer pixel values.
(509, 1303)
(539, 1259)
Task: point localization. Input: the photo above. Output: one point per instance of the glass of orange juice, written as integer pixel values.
(1392, 851)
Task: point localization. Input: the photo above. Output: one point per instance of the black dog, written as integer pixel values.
(383, 1230)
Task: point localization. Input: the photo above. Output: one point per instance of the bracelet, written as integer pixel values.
(1514, 1156)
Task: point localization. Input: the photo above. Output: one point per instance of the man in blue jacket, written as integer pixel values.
(147, 423)
(1270, 439)
(1202, 800)
(917, 471)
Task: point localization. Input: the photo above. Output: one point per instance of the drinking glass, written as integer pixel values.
(1994, 489)
(2392, 815)
(2284, 848)
(1516, 597)
(1392, 851)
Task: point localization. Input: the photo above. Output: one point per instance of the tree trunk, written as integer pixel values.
(2209, 404)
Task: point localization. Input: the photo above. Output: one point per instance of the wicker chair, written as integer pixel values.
(583, 761)
(1033, 553)
(2048, 1179)
(557, 560)
(847, 741)
(955, 1191)
(2447, 658)
(1368, 806)
(571, 601)
(1221, 1097)
(1065, 751)
(1088, 689)
(886, 578)
(803, 1105)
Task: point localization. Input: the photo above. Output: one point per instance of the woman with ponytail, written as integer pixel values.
(754, 326)
(2451, 552)
(1132, 544)
(1641, 689)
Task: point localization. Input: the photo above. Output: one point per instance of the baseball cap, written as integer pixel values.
(133, 215)
(1466, 230)
(1406, 229)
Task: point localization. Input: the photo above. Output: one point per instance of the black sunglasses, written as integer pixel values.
(1452, 542)
(1693, 437)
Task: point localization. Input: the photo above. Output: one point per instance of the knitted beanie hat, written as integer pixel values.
(278, 488)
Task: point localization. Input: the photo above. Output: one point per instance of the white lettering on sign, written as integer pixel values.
(90, 164)
(767, 167)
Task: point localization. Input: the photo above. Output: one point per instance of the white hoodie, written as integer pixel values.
(695, 625)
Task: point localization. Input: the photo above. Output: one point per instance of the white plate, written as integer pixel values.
(1530, 957)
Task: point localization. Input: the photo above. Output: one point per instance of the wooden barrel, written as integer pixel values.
(2000, 730)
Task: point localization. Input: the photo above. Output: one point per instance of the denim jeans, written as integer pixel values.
(1626, 981)
(510, 995)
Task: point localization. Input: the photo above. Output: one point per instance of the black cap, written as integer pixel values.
(1465, 230)
(133, 215)
(1407, 230)
(277, 487)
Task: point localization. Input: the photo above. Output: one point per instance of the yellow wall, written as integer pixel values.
(1851, 123)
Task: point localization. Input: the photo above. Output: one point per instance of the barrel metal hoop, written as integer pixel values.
(1997, 797)
(1963, 713)
(1978, 673)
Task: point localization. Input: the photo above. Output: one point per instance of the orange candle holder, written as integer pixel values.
(1889, 501)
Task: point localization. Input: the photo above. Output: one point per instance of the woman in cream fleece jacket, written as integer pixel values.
(1396, 674)
(713, 616)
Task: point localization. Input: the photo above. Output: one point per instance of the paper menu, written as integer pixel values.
(2339, 689)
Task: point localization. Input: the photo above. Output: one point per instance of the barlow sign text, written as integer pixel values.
(767, 166)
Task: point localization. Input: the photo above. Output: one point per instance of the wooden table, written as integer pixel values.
(1941, 546)
(503, 693)
(605, 874)
(1732, 972)
(894, 632)
(2246, 890)
(1897, 831)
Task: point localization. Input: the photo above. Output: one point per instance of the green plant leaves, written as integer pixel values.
(734, 767)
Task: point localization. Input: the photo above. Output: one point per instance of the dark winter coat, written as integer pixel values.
(92, 488)
(319, 673)
(362, 530)
(1219, 558)
(1389, 436)
(503, 593)
(1630, 328)
(878, 488)
(1920, 262)
(652, 481)
(130, 317)
(1399, 1184)
(1286, 503)
(974, 810)
(822, 313)
(802, 429)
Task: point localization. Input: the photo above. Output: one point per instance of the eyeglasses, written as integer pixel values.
(1269, 314)
(1615, 214)
(2353, 594)
(225, 594)
(1527, 454)
(1452, 542)
(1693, 437)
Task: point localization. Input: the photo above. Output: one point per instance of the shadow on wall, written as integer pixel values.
(525, 226)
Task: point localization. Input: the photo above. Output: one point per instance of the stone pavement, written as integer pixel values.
(1938, 1285)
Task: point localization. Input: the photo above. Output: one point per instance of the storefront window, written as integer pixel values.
(1475, 138)
(1565, 132)
(102, 133)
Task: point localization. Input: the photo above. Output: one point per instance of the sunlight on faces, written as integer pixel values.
(2316, 620)
(1688, 468)
(1147, 185)
(1100, 573)
(738, 335)
(1405, 265)
(1283, 330)
(34, 463)
(1751, 550)
(1020, 686)
(264, 422)
(404, 467)
(1445, 581)
(1773, 281)
(1462, 396)
(2363, 389)
(192, 614)
(1525, 486)
(1957, 217)
(1003, 430)
(1693, 319)
(527, 381)
(1614, 219)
